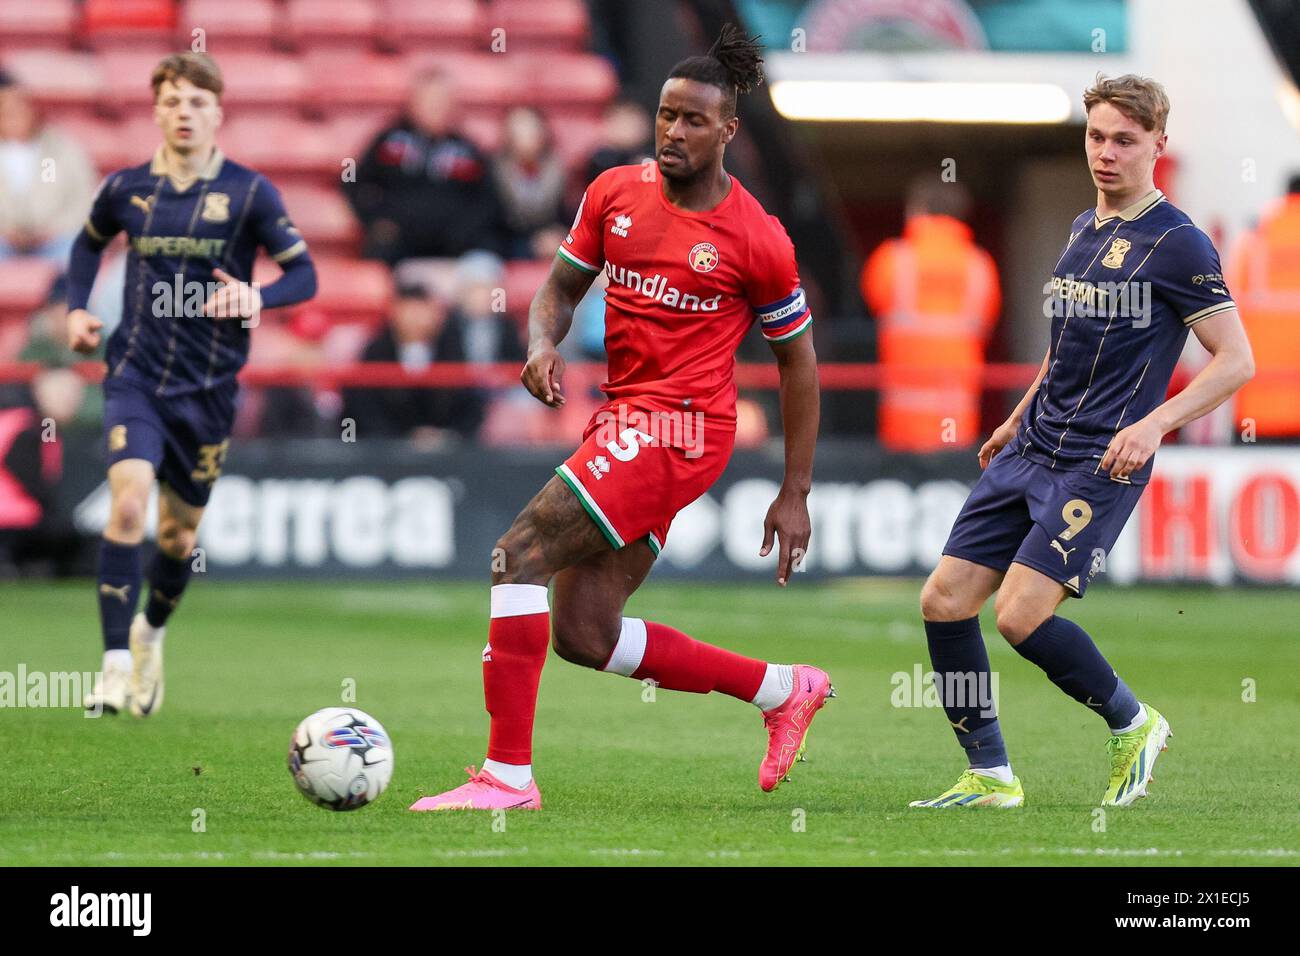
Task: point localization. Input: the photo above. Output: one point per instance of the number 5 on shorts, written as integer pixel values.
(628, 444)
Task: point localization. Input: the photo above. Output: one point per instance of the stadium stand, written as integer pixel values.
(308, 84)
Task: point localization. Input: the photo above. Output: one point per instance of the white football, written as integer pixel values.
(341, 758)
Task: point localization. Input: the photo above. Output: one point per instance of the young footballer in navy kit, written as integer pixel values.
(194, 221)
(1063, 473)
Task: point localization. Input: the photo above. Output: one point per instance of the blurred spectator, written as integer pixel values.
(1264, 279)
(935, 296)
(626, 139)
(530, 180)
(486, 333)
(417, 335)
(423, 189)
(47, 344)
(33, 528)
(46, 182)
(482, 331)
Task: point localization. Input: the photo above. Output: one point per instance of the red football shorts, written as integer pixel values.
(637, 468)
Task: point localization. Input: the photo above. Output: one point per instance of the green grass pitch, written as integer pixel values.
(628, 781)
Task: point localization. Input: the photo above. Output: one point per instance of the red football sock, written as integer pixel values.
(677, 662)
(512, 666)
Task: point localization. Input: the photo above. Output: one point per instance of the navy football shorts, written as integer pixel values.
(185, 438)
(1061, 523)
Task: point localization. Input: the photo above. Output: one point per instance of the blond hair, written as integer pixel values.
(1140, 98)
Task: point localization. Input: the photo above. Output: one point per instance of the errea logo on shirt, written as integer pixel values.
(621, 225)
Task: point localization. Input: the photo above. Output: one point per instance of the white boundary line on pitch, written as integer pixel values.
(1150, 852)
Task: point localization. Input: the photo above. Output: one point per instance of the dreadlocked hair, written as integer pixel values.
(733, 64)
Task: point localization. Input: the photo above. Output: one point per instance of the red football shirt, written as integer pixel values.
(684, 287)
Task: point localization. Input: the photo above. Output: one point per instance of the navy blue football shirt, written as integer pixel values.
(175, 239)
(1121, 299)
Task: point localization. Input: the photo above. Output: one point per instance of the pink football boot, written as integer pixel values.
(483, 792)
(787, 725)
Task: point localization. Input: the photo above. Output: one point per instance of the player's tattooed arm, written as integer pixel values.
(549, 318)
(1003, 434)
(1231, 366)
(787, 519)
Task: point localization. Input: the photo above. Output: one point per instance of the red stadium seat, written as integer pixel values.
(572, 79)
(523, 279)
(352, 133)
(24, 285)
(126, 76)
(484, 129)
(127, 22)
(576, 136)
(230, 25)
(144, 15)
(553, 25)
(27, 25)
(281, 145)
(448, 24)
(352, 24)
(354, 80)
(101, 138)
(13, 336)
(482, 79)
(59, 76)
(271, 82)
(113, 144)
(323, 217)
(262, 81)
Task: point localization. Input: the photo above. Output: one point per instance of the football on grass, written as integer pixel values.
(341, 758)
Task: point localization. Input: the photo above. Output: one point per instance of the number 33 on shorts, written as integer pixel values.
(212, 458)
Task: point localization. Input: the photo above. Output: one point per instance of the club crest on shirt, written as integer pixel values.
(1115, 257)
(216, 208)
(703, 257)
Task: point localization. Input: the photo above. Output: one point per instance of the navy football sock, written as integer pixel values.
(961, 666)
(167, 580)
(1122, 708)
(1071, 660)
(119, 591)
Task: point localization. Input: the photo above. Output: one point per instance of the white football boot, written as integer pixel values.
(112, 685)
(146, 667)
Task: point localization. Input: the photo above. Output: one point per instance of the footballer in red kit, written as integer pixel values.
(684, 289)
(693, 261)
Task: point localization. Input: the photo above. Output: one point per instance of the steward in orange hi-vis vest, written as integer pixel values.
(1264, 275)
(935, 296)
